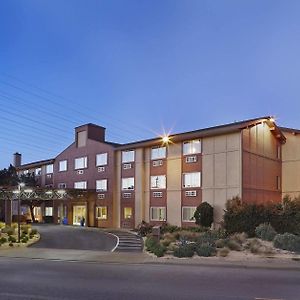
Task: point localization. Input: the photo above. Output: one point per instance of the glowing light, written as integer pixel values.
(28, 191)
(166, 139)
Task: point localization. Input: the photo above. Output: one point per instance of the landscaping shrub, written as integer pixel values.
(223, 252)
(11, 244)
(243, 217)
(204, 214)
(187, 235)
(209, 237)
(184, 251)
(150, 243)
(239, 237)
(169, 228)
(12, 239)
(34, 231)
(287, 241)
(159, 250)
(8, 230)
(206, 250)
(265, 232)
(221, 243)
(2, 225)
(234, 245)
(25, 228)
(254, 246)
(3, 240)
(144, 228)
(24, 239)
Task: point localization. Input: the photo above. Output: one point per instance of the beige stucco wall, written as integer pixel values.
(221, 171)
(291, 165)
(174, 184)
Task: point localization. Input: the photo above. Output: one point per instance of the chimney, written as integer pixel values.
(89, 131)
(17, 161)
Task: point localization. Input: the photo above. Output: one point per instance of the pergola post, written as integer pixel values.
(8, 211)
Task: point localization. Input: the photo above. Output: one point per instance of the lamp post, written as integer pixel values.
(20, 186)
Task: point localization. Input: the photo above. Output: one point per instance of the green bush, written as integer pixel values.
(24, 239)
(33, 231)
(169, 228)
(3, 240)
(287, 241)
(150, 243)
(254, 245)
(11, 244)
(234, 245)
(221, 243)
(184, 251)
(8, 230)
(204, 214)
(159, 250)
(206, 250)
(209, 237)
(265, 232)
(12, 239)
(223, 252)
(244, 217)
(2, 225)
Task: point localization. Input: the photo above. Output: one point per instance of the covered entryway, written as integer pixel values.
(79, 213)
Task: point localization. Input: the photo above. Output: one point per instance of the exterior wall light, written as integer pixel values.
(166, 139)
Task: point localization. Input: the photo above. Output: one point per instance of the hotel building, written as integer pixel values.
(164, 180)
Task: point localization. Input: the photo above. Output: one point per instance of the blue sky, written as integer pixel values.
(138, 67)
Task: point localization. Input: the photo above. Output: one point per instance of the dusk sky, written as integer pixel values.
(139, 67)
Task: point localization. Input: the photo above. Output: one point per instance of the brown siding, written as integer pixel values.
(260, 165)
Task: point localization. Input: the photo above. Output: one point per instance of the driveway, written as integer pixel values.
(76, 238)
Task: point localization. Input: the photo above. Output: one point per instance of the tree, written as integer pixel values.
(204, 214)
(9, 177)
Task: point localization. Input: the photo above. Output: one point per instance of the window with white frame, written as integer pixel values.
(158, 214)
(63, 165)
(101, 159)
(48, 211)
(62, 185)
(80, 162)
(158, 152)
(101, 212)
(127, 156)
(191, 180)
(80, 185)
(158, 182)
(128, 183)
(38, 171)
(191, 147)
(188, 213)
(49, 169)
(101, 185)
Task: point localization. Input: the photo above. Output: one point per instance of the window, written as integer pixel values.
(127, 156)
(101, 212)
(157, 194)
(48, 211)
(101, 185)
(191, 193)
(158, 152)
(127, 166)
(81, 138)
(62, 185)
(158, 182)
(127, 212)
(101, 159)
(128, 183)
(25, 172)
(191, 147)
(191, 159)
(192, 179)
(80, 185)
(158, 214)
(127, 195)
(63, 165)
(38, 172)
(188, 213)
(49, 169)
(81, 162)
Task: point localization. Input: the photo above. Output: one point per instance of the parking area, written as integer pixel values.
(76, 238)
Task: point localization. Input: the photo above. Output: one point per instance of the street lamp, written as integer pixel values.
(20, 186)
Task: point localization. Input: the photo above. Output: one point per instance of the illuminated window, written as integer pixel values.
(63, 165)
(101, 159)
(81, 162)
(49, 169)
(80, 185)
(192, 180)
(48, 211)
(191, 147)
(158, 214)
(128, 183)
(158, 152)
(101, 212)
(127, 156)
(101, 185)
(127, 212)
(188, 213)
(158, 182)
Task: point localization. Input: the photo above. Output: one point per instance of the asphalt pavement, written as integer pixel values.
(60, 280)
(75, 238)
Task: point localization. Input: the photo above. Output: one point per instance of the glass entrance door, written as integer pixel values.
(79, 212)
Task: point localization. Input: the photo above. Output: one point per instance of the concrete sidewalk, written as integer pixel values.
(144, 258)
